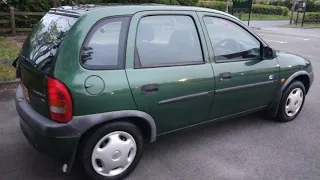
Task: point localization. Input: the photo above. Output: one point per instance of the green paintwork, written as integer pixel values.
(116, 94)
(173, 82)
(244, 72)
(121, 88)
(291, 63)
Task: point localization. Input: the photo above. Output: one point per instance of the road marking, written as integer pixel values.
(281, 42)
(271, 31)
(283, 36)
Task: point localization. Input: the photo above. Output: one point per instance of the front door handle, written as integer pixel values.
(226, 76)
(149, 89)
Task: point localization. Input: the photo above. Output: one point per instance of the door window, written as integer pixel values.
(231, 42)
(167, 41)
(105, 44)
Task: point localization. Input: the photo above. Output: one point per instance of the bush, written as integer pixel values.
(266, 2)
(256, 8)
(312, 17)
(218, 5)
(313, 6)
(270, 9)
(187, 2)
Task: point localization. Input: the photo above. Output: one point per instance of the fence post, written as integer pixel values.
(12, 21)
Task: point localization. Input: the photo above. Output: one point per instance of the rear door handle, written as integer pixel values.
(149, 89)
(226, 76)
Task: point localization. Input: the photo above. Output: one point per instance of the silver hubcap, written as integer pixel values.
(294, 102)
(114, 153)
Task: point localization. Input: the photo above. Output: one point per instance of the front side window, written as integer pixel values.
(230, 41)
(167, 40)
(105, 44)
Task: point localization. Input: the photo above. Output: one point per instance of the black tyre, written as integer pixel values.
(291, 102)
(112, 151)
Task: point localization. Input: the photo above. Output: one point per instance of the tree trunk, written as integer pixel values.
(56, 3)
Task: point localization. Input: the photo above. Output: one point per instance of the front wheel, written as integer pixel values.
(113, 151)
(291, 102)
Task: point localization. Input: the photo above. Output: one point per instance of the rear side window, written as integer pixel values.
(167, 40)
(104, 46)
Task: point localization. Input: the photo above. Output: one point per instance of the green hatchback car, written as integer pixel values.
(98, 82)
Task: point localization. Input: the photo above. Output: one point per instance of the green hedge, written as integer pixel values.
(269, 9)
(312, 6)
(312, 17)
(256, 8)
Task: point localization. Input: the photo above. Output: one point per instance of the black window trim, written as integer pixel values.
(137, 62)
(262, 43)
(123, 37)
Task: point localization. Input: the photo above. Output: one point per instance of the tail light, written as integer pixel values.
(59, 101)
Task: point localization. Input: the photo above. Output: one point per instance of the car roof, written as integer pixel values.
(121, 9)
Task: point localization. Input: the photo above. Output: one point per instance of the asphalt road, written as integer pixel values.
(239, 149)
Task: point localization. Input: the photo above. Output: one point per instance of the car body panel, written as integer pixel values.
(115, 95)
(253, 82)
(254, 74)
(180, 87)
(291, 63)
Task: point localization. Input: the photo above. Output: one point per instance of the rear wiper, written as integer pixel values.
(29, 61)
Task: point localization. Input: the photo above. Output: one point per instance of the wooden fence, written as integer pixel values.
(312, 19)
(12, 21)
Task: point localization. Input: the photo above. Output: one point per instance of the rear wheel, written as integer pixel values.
(113, 151)
(291, 102)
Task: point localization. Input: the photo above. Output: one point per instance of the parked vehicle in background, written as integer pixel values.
(98, 82)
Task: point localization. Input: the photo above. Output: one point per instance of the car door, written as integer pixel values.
(168, 68)
(243, 80)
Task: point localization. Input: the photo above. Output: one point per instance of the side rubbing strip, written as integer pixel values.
(182, 98)
(237, 88)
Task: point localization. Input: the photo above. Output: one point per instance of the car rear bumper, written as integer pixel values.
(54, 139)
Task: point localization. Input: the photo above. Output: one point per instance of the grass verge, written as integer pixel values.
(245, 17)
(8, 52)
(7, 72)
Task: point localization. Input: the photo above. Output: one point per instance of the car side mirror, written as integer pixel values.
(268, 53)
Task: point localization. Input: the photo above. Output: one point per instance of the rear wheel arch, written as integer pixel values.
(141, 124)
(89, 123)
(138, 118)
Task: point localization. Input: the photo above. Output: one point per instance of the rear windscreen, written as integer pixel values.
(43, 42)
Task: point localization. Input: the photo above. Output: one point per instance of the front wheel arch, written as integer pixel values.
(302, 76)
